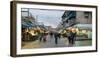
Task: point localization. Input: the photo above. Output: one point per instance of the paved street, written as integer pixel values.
(62, 42)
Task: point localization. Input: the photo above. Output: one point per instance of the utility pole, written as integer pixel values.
(36, 20)
(28, 12)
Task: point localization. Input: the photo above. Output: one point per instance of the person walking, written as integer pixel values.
(51, 34)
(56, 36)
(45, 37)
(72, 37)
(69, 37)
(41, 37)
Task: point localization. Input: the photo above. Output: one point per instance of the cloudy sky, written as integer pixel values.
(48, 17)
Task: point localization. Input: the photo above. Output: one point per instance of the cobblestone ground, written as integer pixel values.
(62, 42)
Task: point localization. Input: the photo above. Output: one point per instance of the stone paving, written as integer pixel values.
(50, 43)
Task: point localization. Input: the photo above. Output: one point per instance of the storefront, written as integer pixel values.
(84, 30)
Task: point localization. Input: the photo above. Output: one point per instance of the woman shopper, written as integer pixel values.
(45, 37)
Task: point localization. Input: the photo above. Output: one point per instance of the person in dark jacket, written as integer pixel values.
(56, 36)
(45, 37)
(41, 37)
(68, 36)
(72, 37)
(51, 34)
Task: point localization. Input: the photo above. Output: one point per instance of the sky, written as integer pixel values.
(48, 17)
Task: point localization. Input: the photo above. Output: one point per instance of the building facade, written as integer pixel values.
(27, 19)
(84, 17)
(71, 18)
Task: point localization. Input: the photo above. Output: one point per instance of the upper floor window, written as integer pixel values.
(87, 15)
